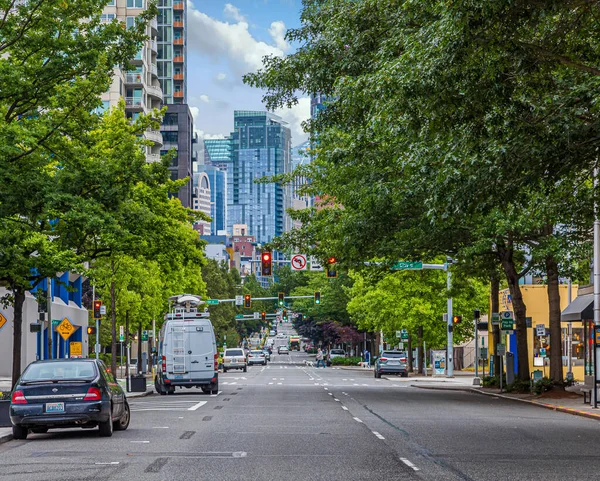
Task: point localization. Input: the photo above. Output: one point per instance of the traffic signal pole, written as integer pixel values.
(450, 347)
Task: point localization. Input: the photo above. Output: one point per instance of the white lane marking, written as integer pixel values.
(336, 400)
(357, 420)
(351, 379)
(232, 383)
(316, 384)
(326, 389)
(141, 442)
(268, 367)
(281, 379)
(344, 379)
(270, 383)
(344, 408)
(215, 395)
(355, 384)
(280, 367)
(331, 394)
(160, 427)
(112, 463)
(274, 379)
(409, 464)
(279, 383)
(242, 378)
(285, 367)
(180, 417)
(344, 393)
(196, 406)
(377, 434)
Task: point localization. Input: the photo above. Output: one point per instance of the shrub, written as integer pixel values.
(519, 387)
(543, 385)
(345, 361)
(493, 381)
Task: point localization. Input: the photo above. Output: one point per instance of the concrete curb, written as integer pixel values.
(137, 394)
(551, 407)
(6, 438)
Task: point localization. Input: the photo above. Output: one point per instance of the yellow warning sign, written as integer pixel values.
(75, 350)
(2, 320)
(65, 329)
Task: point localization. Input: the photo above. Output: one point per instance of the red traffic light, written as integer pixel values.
(266, 256)
(332, 260)
(97, 306)
(266, 260)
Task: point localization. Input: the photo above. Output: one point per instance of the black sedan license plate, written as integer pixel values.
(55, 407)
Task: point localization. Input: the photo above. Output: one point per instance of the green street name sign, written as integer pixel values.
(407, 266)
(212, 301)
(239, 316)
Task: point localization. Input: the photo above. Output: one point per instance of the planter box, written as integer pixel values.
(4, 414)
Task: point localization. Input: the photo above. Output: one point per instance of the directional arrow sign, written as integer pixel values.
(407, 266)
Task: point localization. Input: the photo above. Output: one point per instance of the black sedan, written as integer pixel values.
(67, 393)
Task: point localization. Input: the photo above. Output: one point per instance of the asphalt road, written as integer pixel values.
(289, 421)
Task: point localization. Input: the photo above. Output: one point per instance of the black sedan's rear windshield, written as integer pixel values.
(57, 371)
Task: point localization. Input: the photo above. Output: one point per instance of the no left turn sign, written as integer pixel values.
(299, 262)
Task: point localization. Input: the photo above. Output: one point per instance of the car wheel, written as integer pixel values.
(171, 391)
(215, 388)
(404, 374)
(206, 389)
(158, 388)
(123, 423)
(106, 427)
(19, 432)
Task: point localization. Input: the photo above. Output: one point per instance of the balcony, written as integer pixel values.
(179, 6)
(134, 103)
(133, 78)
(154, 91)
(178, 95)
(152, 68)
(152, 158)
(178, 59)
(177, 41)
(154, 136)
(154, 45)
(178, 24)
(154, 25)
(178, 76)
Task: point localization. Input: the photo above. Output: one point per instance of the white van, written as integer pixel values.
(187, 352)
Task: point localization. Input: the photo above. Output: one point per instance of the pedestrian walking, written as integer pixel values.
(320, 358)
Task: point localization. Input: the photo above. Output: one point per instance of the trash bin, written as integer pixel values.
(138, 383)
(5, 414)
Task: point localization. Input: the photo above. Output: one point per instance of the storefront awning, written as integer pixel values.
(582, 307)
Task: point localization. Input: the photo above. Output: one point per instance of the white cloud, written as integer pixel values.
(277, 32)
(231, 41)
(295, 116)
(204, 98)
(233, 13)
(221, 76)
(195, 111)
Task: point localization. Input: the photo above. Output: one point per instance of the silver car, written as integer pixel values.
(257, 357)
(234, 359)
(283, 350)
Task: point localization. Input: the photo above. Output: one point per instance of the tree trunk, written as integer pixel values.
(520, 310)
(421, 353)
(139, 349)
(495, 295)
(113, 327)
(17, 333)
(410, 354)
(556, 368)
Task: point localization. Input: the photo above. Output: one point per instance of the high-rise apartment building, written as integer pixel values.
(217, 180)
(202, 203)
(261, 146)
(139, 86)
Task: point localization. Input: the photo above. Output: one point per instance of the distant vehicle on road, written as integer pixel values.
(187, 349)
(391, 362)
(337, 353)
(68, 393)
(272, 333)
(234, 359)
(283, 350)
(294, 343)
(267, 353)
(257, 357)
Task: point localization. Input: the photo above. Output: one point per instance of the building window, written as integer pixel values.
(107, 17)
(130, 22)
(135, 3)
(170, 137)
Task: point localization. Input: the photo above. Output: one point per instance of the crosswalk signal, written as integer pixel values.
(317, 297)
(91, 330)
(266, 260)
(281, 299)
(456, 320)
(97, 306)
(263, 316)
(331, 270)
(248, 300)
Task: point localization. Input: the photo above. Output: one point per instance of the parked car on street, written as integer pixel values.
(391, 362)
(68, 393)
(337, 353)
(257, 357)
(234, 359)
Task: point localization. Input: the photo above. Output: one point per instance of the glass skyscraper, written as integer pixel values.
(218, 196)
(261, 146)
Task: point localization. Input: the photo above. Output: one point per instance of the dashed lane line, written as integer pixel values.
(357, 420)
(409, 464)
(196, 406)
(377, 434)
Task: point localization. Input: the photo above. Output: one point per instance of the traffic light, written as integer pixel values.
(331, 270)
(281, 300)
(456, 319)
(248, 300)
(91, 331)
(266, 260)
(97, 306)
(284, 315)
(263, 316)
(317, 297)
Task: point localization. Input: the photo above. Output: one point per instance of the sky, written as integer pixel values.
(227, 39)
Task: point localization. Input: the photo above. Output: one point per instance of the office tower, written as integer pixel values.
(217, 180)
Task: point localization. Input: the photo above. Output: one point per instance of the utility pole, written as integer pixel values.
(49, 309)
(450, 347)
(596, 291)
(569, 337)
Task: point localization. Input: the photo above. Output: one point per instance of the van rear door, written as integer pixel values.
(200, 350)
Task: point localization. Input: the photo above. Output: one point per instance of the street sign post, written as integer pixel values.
(239, 316)
(2, 321)
(407, 266)
(121, 334)
(315, 265)
(404, 335)
(501, 349)
(144, 335)
(239, 300)
(102, 310)
(65, 329)
(398, 334)
(540, 330)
